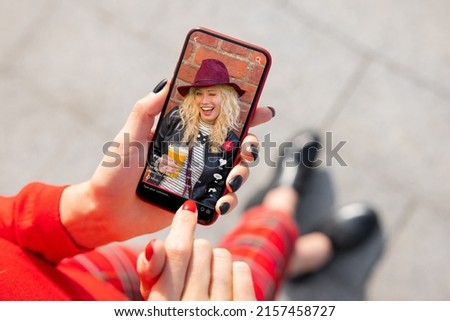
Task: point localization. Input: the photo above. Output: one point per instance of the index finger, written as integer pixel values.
(183, 225)
(178, 246)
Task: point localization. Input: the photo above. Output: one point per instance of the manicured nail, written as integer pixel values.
(272, 110)
(190, 206)
(160, 86)
(224, 208)
(235, 183)
(255, 151)
(149, 250)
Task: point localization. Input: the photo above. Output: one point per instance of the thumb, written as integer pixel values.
(141, 119)
(130, 146)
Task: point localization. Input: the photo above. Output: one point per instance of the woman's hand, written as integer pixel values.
(184, 268)
(106, 208)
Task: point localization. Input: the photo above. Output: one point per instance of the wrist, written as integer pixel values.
(82, 218)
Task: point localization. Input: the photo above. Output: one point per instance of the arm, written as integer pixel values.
(105, 208)
(167, 128)
(215, 176)
(58, 222)
(31, 219)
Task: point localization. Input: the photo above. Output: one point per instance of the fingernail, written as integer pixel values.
(224, 208)
(160, 86)
(255, 151)
(235, 183)
(272, 110)
(190, 206)
(149, 250)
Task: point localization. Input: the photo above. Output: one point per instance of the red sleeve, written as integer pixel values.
(31, 219)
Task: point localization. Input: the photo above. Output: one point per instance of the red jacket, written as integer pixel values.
(32, 242)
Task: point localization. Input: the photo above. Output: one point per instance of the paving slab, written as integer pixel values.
(410, 36)
(414, 264)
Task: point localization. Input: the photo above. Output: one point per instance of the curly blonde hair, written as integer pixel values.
(229, 118)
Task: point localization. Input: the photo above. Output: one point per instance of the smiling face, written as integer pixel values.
(208, 100)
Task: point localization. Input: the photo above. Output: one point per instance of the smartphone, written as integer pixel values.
(212, 98)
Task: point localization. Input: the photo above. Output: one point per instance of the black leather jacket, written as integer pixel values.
(211, 183)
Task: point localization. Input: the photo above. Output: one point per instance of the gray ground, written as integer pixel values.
(372, 73)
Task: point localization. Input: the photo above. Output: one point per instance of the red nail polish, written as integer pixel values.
(149, 250)
(190, 206)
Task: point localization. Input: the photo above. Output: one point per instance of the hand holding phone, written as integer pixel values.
(106, 208)
(213, 96)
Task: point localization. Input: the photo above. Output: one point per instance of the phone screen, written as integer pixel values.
(213, 95)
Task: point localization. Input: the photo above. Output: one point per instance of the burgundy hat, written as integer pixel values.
(211, 72)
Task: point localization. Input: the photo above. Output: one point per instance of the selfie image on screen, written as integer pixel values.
(198, 138)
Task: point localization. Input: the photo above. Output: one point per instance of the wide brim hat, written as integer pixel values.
(212, 72)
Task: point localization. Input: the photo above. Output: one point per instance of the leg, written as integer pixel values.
(266, 236)
(267, 239)
(312, 251)
(113, 263)
(264, 239)
(349, 226)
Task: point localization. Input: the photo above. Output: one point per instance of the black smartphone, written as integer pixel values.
(212, 98)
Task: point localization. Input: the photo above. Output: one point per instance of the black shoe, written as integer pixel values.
(349, 226)
(296, 158)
